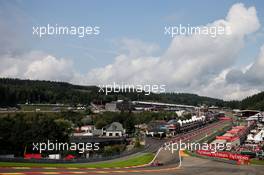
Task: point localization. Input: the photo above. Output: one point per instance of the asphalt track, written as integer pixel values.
(190, 165)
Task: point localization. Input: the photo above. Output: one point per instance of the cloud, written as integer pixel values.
(252, 75)
(49, 67)
(220, 88)
(255, 73)
(190, 64)
(136, 47)
(242, 20)
(198, 64)
(36, 65)
(16, 60)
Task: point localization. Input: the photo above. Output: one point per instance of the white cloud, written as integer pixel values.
(36, 65)
(49, 67)
(191, 63)
(242, 20)
(220, 88)
(256, 71)
(198, 64)
(252, 75)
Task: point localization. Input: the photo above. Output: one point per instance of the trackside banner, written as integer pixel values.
(226, 155)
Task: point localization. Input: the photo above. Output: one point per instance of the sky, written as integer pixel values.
(132, 48)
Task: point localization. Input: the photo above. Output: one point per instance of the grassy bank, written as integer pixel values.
(257, 162)
(138, 160)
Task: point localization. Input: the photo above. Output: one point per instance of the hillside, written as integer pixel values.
(15, 91)
(254, 102)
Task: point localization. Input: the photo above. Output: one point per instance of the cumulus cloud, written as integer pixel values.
(252, 75)
(219, 87)
(198, 63)
(255, 73)
(191, 63)
(242, 20)
(36, 65)
(15, 59)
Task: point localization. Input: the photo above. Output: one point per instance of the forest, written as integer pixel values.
(16, 91)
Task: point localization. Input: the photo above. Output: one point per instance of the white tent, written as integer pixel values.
(259, 136)
(250, 137)
(180, 122)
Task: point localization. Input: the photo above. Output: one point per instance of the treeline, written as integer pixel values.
(16, 91)
(19, 131)
(254, 102)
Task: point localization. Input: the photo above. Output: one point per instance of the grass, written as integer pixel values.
(257, 162)
(138, 160)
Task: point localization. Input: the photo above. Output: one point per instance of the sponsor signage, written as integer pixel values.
(225, 155)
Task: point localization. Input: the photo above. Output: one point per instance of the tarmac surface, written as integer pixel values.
(190, 165)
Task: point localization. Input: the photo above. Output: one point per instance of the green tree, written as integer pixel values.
(100, 123)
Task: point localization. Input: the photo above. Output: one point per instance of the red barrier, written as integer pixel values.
(225, 118)
(233, 131)
(226, 155)
(223, 137)
(69, 157)
(233, 139)
(32, 156)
